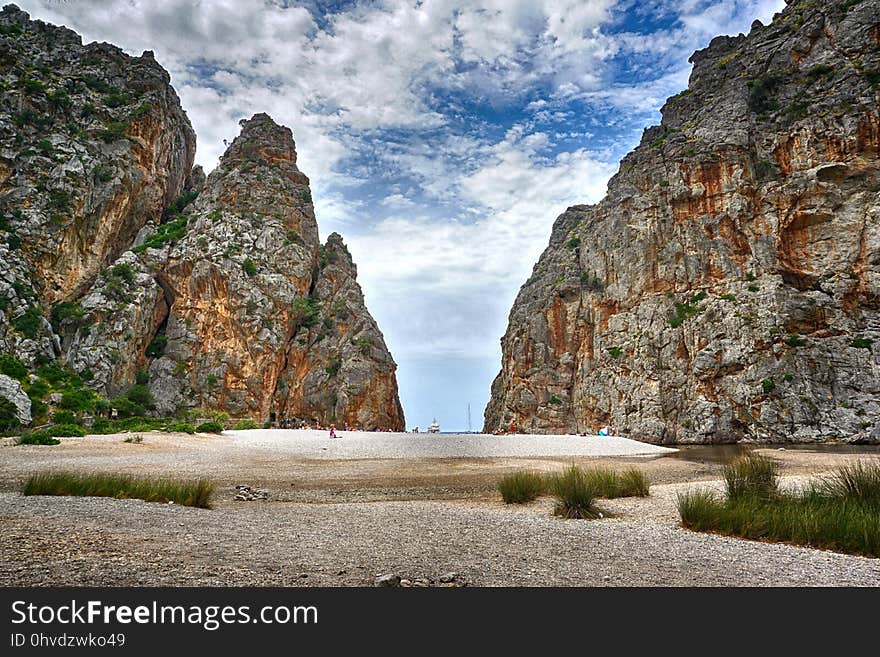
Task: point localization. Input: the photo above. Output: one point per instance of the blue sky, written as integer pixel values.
(441, 137)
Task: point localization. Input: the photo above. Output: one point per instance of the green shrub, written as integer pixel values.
(182, 201)
(768, 386)
(141, 395)
(363, 344)
(114, 131)
(305, 311)
(685, 311)
(12, 367)
(166, 233)
(247, 423)
(333, 366)
(78, 399)
(762, 92)
(31, 87)
(522, 487)
(862, 343)
(28, 324)
(12, 29)
(65, 417)
(139, 423)
(156, 347)
(55, 374)
(66, 311)
(615, 352)
(59, 99)
(765, 170)
(142, 110)
(117, 99)
(8, 415)
(101, 426)
(142, 377)
(794, 340)
(123, 271)
(97, 84)
(556, 401)
(180, 427)
(42, 437)
(574, 242)
(249, 267)
(574, 493)
(211, 426)
(751, 475)
(188, 493)
(125, 408)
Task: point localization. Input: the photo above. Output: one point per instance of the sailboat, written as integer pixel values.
(434, 427)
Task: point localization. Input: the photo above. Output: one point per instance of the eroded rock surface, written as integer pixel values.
(728, 285)
(128, 265)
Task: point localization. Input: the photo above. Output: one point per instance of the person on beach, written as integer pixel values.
(333, 431)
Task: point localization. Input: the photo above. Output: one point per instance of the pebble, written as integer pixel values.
(388, 580)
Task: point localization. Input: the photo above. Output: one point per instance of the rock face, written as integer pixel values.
(11, 391)
(728, 286)
(258, 316)
(93, 144)
(215, 290)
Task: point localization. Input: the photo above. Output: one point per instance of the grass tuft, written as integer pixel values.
(857, 482)
(751, 475)
(634, 483)
(575, 494)
(522, 487)
(187, 493)
(610, 484)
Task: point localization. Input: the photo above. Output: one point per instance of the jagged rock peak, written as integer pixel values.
(261, 141)
(336, 245)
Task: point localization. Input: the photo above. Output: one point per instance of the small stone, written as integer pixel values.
(447, 577)
(389, 580)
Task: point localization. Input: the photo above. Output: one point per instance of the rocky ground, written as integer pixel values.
(347, 522)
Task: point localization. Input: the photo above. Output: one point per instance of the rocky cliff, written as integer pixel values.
(130, 268)
(728, 285)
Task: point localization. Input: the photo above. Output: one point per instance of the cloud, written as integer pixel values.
(458, 277)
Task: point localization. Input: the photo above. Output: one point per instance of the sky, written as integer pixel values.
(441, 137)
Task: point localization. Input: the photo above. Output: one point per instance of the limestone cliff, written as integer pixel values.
(93, 144)
(728, 285)
(262, 319)
(126, 264)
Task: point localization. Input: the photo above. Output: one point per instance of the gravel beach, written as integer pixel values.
(365, 510)
(365, 444)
